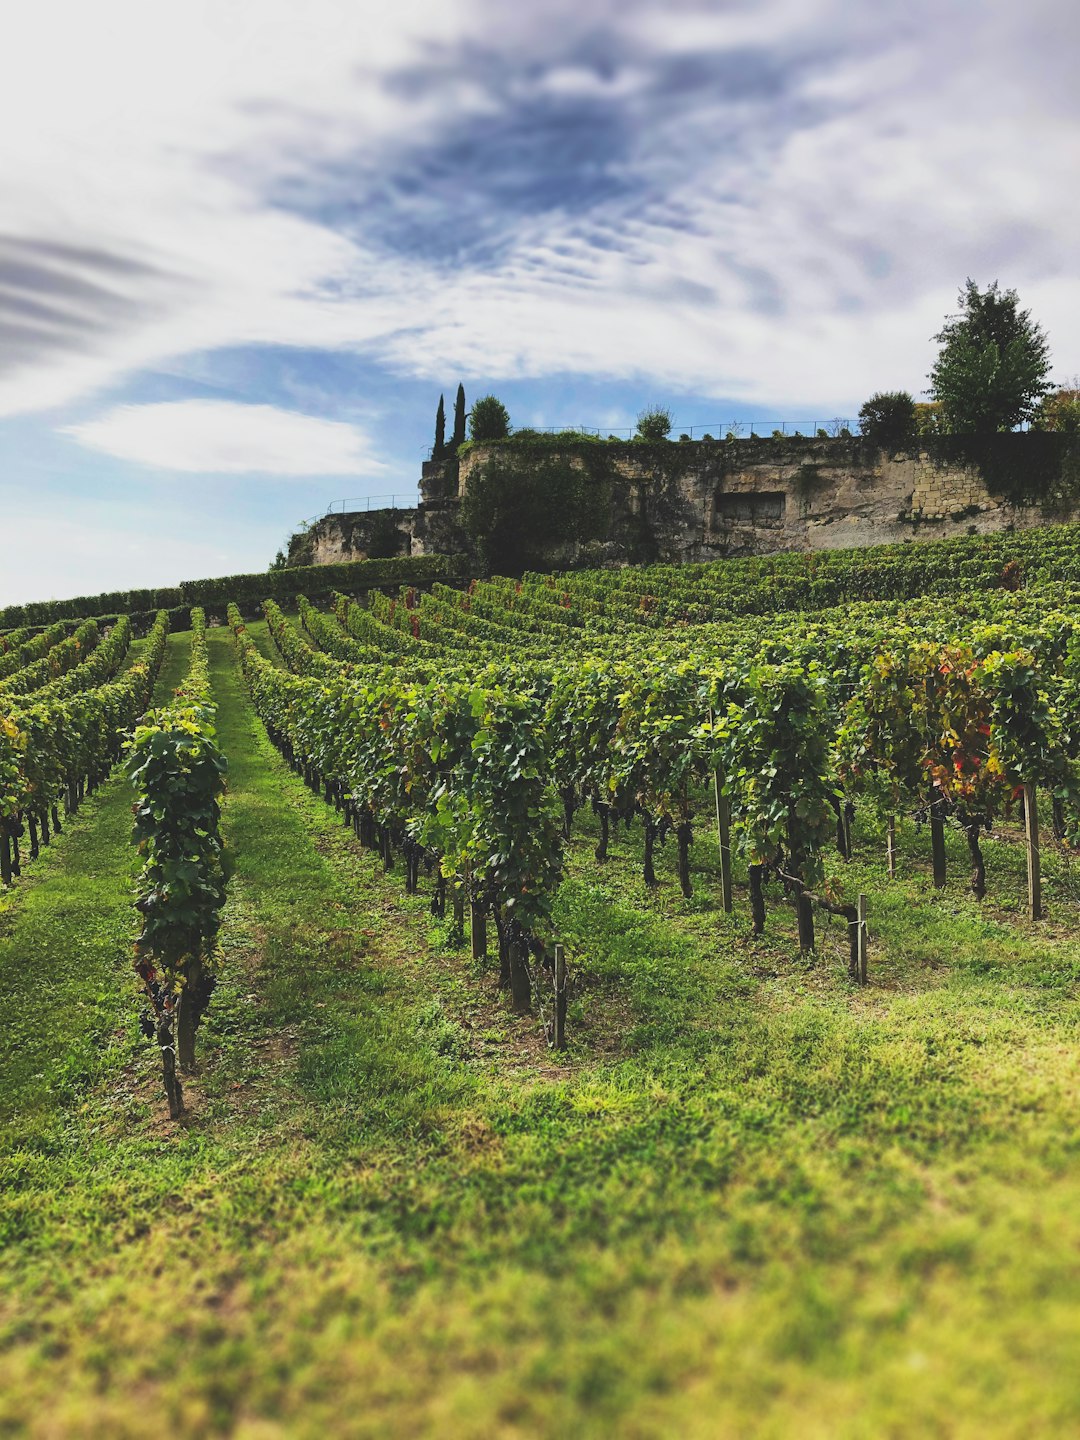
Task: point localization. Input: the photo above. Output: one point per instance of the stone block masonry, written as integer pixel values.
(705, 500)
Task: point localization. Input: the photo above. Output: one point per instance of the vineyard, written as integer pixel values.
(635, 1001)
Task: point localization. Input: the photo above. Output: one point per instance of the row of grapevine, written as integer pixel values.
(792, 580)
(355, 576)
(102, 662)
(792, 744)
(20, 648)
(451, 775)
(178, 772)
(57, 659)
(57, 747)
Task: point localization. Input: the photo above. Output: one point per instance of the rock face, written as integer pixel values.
(705, 500)
(356, 535)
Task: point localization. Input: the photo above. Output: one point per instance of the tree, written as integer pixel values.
(928, 419)
(888, 419)
(438, 450)
(488, 419)
(991, 371)
(1060, 410)
(526, 513)
(654, 423)
(458, 437)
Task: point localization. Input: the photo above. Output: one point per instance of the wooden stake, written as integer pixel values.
(1031, 825)
(890, 846)
(937, 837)
(804, 910)
(757, 900)
(863, 938)
(723, 835)
(478, 930)
(186, 1004)
(559, 1037)
(519, 980)
(457, 929)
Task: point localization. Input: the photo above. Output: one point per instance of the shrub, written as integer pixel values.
(888, 419)
(654, 424)
(488, 420)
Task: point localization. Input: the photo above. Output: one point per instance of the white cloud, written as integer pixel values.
(802, 246)
(220, 437)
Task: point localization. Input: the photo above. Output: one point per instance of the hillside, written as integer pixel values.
(788, 1175)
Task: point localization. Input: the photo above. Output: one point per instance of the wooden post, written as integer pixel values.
(1031, 825)
(559, 1037)
(804, 909)
(723, 835)
(478, 929)
(186, 1004)
(757, 900)
(862, 939)
(457, 928)
(173, 1090)
(937, 837)
(890, 846)
(520, 990)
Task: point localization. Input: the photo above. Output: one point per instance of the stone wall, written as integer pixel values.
(704, 500)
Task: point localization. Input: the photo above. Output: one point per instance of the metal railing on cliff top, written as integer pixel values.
(832, 429)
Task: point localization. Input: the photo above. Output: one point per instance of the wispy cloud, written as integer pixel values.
(773, 202)
(219, 437)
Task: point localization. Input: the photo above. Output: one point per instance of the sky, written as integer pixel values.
(244, 247)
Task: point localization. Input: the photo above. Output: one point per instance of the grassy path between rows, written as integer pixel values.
(750, 1201)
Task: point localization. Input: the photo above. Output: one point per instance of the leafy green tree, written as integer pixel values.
(458, 437)
(438, 450)
(888, 419)
(928, 419)
(489, 419)
(991, 371)
(520, 515)
(654, 423)
(1060, 410)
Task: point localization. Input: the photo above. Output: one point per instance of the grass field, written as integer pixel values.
(750, 1200)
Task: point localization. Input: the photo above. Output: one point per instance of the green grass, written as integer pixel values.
(750, 1200)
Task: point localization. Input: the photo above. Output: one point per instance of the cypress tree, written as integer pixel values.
(438, 450)
(459, 420)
